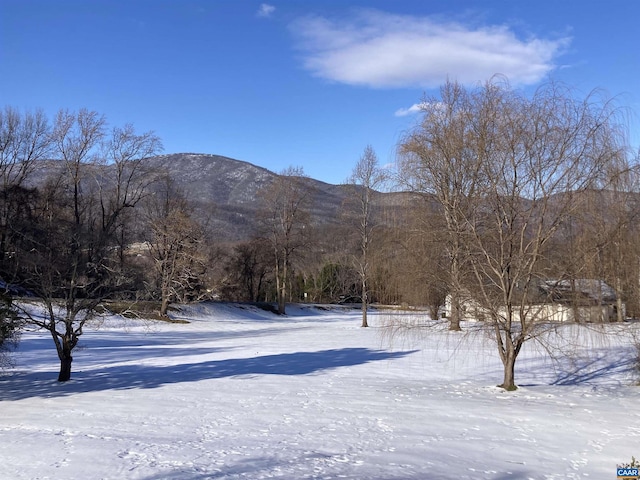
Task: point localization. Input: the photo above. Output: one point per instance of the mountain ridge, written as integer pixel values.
(224, 191)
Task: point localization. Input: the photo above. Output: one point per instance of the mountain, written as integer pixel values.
(225, 191)
(213, 178)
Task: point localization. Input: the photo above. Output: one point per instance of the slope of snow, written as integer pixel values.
(240, 393)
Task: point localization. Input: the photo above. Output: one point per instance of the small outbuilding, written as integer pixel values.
(575, 300)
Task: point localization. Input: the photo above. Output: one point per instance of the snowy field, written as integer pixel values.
(240, 393)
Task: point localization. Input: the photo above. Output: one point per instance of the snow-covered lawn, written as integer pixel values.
(241, 393)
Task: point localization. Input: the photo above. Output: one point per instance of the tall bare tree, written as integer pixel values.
(284, 219)
(25, 139)
(528, 158)
(68, 256)
(72, 267)
(176, 244)
(424, 264)
(366, 178)
(125, 153)
(437, 160)
(621, 251)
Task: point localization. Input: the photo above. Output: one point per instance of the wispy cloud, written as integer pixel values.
(421, 107)
(378, 49)
(415, 108)
(266, 10)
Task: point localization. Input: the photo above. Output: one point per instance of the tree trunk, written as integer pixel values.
(281, 288)
(509, 381)
(281, 304)
(65, 362)
(454, 320)
(364, 305)
(619, 305)
(281, 291)
(164, 305)
(166, 277)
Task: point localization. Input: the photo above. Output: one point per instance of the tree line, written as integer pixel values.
(496, 191)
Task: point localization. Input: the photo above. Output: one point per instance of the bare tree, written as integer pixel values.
(599, 243)
(24, 140)
(67, 256)
(529, 157)
(424, 265)
(176, 245)
(618, 250)
(436, 159)
(71, 268)
(284, 219)
(366, 178)
(125, 154)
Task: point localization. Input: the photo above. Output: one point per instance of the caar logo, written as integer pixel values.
(627, 473)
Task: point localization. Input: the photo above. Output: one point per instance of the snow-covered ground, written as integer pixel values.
(239, 393)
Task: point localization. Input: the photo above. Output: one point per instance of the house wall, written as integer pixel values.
(550, 312)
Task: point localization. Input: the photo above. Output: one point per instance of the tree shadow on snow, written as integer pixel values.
(594, 369)
(131, 376)
(597, 368)
(267, 467)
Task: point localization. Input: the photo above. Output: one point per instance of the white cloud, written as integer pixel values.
(266, 10)
(415, 108)
(421, 107)
(378, 49)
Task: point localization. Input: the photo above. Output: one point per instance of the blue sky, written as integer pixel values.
(301, 83)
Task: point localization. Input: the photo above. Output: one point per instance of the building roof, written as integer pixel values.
(580, 289)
